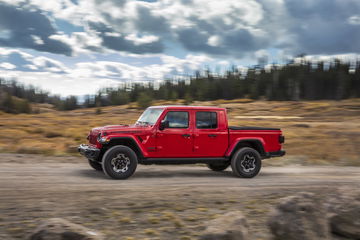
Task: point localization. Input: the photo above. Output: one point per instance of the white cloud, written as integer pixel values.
(4, 52)
(148, 22)
(141, 40)
(87, 77)
(224, 63)
(81, 42)
(262, 56)
(214, 41)
(231, 12)
(229, 31)
(37, 40)
(14, 2)
(354, 20)
(4, 33)
(61, 84)
(230, 28)
(349, 57)
(112, 34)
(7, 66)
(48, 64)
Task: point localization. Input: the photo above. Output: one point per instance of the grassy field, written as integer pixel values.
(317, 132)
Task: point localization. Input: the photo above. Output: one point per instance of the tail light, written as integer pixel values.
(281, 139)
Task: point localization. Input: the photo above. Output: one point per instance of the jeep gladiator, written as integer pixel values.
(181, 135)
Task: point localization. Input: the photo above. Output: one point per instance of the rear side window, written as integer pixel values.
(177, 119)
(206, 120)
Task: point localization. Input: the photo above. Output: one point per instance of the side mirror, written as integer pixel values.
(164, 124)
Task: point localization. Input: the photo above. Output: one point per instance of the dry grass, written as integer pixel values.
(322, 131)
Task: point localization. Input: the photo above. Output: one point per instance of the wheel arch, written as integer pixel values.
(253, 143)
(125, 141)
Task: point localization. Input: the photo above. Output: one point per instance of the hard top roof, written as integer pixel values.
(188, 107)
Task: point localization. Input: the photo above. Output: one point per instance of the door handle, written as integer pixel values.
(212, 135)
(186, 135)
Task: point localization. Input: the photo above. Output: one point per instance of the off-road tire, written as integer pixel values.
(246, 162)
(218, 167)
(113, 153)
(95, 165)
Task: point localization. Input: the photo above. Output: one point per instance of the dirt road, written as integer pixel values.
(158, 202)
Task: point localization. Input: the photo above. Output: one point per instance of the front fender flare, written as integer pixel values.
(135, 142)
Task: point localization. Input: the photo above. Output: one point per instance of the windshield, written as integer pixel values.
(150, 116)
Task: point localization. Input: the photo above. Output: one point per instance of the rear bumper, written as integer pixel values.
(275, 154)
(89, 151)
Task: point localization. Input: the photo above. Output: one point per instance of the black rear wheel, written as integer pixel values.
(218, 167)
(246, 162)
(119, 162)
(95, 165)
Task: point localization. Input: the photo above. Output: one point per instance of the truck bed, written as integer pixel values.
(269, 138)
(251, 128)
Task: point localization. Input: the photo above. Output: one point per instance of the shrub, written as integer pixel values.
(98, 111)
(15, 105)
(53, 134)
(144, 100)
(22, 106)
(188, 99)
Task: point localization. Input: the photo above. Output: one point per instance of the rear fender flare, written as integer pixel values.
(258, 142)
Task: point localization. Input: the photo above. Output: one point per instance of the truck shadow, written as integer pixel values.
(147, 173)
(196, 173)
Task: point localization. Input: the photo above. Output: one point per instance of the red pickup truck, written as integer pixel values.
(181, 135)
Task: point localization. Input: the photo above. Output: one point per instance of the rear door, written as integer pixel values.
(210, 134)
(176, 140)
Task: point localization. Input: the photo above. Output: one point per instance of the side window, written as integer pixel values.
(206, 120)
(177, 119)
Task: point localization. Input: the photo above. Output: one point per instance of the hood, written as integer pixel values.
(109, 129)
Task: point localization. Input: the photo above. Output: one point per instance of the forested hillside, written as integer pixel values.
(16, 98)
(302, 80)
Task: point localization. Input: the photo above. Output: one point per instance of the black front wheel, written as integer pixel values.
(95, 165)
(119, 162)
(246, 162)
(218, 167)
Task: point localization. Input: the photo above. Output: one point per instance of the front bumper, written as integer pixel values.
(89, 152)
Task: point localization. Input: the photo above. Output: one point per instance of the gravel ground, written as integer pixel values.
(157, 202)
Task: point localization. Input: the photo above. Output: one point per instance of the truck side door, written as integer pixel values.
(210, 133)
(176, 140)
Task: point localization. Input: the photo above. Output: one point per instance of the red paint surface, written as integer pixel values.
(175, 142)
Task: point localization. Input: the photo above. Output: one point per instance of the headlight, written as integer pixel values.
(103, 140)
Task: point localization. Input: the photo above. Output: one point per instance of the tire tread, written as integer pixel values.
(234, 160)
(133, 158)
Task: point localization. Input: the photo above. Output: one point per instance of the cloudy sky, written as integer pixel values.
(77, 46)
